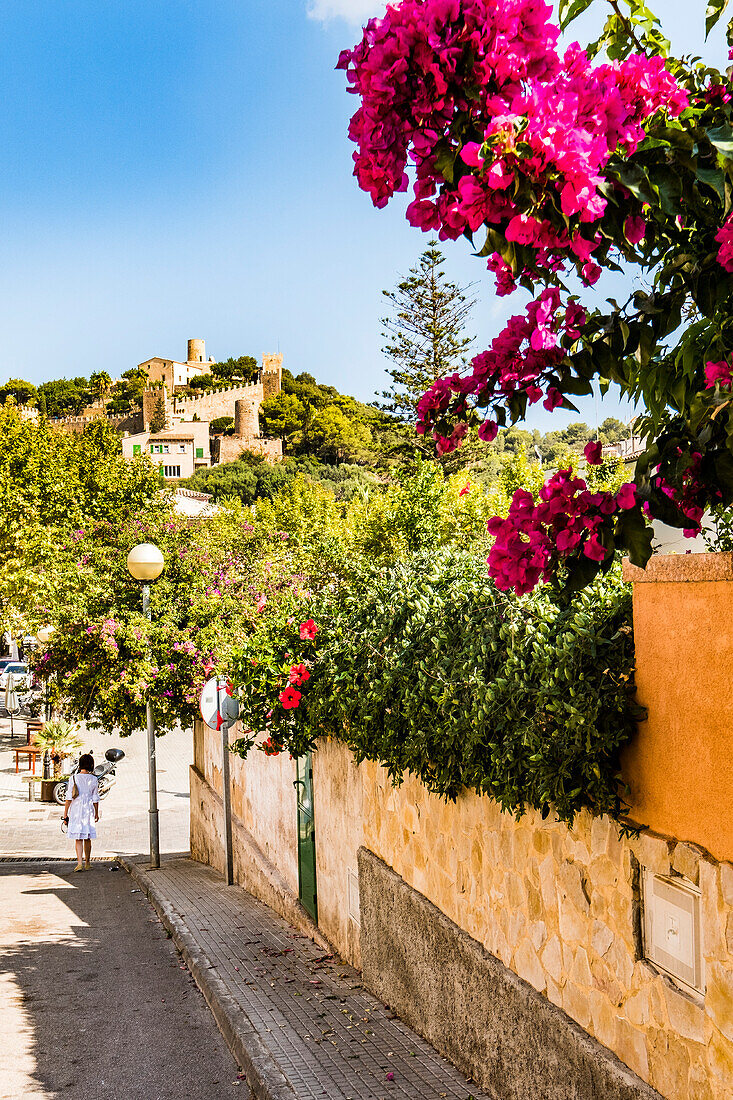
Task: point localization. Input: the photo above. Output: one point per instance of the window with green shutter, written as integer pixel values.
(136, 448)
(199, 452)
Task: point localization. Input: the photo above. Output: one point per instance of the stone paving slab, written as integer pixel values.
(298, 1021)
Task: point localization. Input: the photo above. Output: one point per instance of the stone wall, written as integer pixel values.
(557, 907)
(263, 800)
(129, 422)
(209, 406)
(560, 908)
(228, 448)
(490, 1023)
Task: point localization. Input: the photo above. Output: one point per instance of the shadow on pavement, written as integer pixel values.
(95, 999)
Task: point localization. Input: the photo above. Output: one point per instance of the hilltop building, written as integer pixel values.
(179, 451)
(174, 375)
(183, 446)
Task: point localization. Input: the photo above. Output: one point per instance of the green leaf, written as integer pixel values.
(713, 13)
(722, 138)
(635, 535)
(570, 10)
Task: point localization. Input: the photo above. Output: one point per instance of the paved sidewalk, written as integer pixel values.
(298, 1021)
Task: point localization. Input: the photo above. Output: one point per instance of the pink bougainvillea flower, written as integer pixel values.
(634, 229)
(724, 237)
(488, 431)
(594, 549)
(626, 496)
(289, 698)
(593, 452)
(553, 400)
(721, 373)
(308, 630)
(298, 675)
(590, 273)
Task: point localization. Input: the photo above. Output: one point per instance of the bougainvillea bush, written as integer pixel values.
(105, 658)
(426, 666)
(560, 166)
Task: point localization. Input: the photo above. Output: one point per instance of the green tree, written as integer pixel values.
(222, 425)
(100, 384)
(128, 392)
(159, 419)
(242, 369)
(24, 393)
(425, 332)
(336, 437)
(64, 397)
(53, 485)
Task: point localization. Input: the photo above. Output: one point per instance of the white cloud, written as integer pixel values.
(353, 11)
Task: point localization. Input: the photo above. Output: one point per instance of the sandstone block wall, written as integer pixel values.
(263, 805)
(228, 448)
(557, 907)
(560, 907)
(209, 406)
(510, 1039)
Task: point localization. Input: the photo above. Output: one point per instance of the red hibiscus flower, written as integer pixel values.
(308, 630)
(465, 489)
(289, 698)
(298, 675)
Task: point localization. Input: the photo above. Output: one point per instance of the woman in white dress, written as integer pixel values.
(81, 811)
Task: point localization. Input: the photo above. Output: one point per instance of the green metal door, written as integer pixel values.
(306, 836)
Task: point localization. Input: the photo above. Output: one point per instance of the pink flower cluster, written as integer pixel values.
(719, 373)
(568, 520)
(692, 495)
(724, 237)
(522, 359)
(475, 95)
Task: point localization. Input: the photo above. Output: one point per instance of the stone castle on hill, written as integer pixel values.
(185, 444)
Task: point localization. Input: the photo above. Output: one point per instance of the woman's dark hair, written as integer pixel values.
(86, 762)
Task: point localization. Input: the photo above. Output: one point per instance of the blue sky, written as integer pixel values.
(182, 169)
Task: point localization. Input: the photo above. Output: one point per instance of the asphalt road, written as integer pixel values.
(95, 1002)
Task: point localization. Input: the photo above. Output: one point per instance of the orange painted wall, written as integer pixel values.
(680, 766)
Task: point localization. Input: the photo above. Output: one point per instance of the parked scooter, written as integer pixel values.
(105, 773)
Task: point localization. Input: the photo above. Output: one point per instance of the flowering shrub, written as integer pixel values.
(427, 667)
(105, 658)
(568, 165)
(569, 519)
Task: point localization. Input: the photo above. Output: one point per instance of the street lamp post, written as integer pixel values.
(44, 636)
(145, 563)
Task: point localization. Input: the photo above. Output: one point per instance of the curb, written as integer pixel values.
(264, 1076)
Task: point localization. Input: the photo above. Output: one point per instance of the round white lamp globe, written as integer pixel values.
(44, 634)
(145, 562)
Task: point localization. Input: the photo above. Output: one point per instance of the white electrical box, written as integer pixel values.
(353, 882)
(672, 936)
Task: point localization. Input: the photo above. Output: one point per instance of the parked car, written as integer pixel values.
(21, 676)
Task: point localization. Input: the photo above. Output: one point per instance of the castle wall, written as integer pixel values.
(209, 406)
(228, 448)
(129, 422)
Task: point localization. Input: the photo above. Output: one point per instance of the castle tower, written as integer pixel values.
(196, 351)
(246, 418)
(272, 374)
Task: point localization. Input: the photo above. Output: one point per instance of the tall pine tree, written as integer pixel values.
(425, 332)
